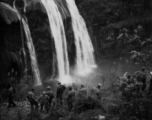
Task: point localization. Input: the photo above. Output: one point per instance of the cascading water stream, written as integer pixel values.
(30, 45)
(84, 48)
(12, 14)
(32, 53)
(58, 33)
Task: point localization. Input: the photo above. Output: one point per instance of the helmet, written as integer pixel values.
(48, 87)
(99, 85)
(59, 83)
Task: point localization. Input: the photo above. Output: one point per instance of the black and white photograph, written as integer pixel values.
(75, 59)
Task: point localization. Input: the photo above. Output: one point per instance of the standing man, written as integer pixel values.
(96, 92)
(43, 99)
(32, 99)
(50, 94)
(82, 92)
(11, 97)
(60, 90)
(71, 98)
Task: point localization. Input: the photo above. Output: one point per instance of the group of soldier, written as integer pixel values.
(136, 82)
(45, 99)
(49, 99)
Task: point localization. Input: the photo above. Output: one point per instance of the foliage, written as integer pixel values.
(104, 12)
(135, 104)
(106, 18)
(34, 116)
(127, 41)
(86, 103)
(143, 54)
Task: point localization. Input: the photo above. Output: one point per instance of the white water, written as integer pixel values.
(84, 49)
(32, 53)
(58, 33)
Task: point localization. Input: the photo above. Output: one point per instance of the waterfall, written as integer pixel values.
(32, 53)
(84, 48)
(12, 14)
(58, 33)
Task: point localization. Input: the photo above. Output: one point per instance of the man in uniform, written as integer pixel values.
(43, 99)
(96, 92)
(49, 92)
(71, 98)
(82, 92)
(60, 90)
(11, 97)
(32, 99)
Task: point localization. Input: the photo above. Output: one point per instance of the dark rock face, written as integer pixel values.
(10, 2)
(78, 1)
(19, 3)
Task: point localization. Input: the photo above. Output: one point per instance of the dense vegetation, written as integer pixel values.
(106, 19)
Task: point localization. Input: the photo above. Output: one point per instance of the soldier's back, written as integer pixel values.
(60, 89)
(30, 96)
(82, 92)
(49, 93)
(43, 99)
(96, 93)
(71, 94)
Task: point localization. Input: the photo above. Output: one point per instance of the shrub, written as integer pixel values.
(86, 103)
(35, 115)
